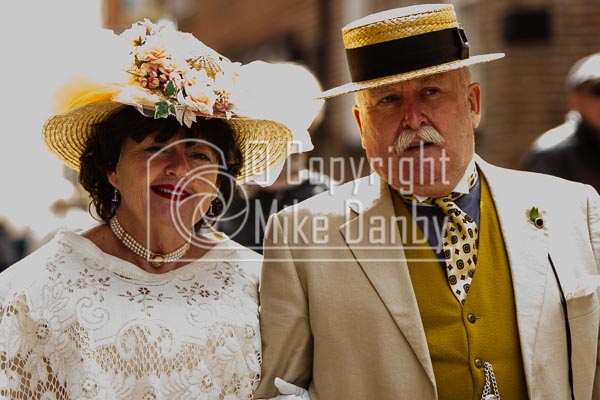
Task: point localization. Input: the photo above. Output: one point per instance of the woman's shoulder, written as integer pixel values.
(231, 252)
(49, 246)
(63, 247)
(223, 245)
(36, 266)
(250, 260)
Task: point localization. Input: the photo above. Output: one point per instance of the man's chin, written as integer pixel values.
(417, 183)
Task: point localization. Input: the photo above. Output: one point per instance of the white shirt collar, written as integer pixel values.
(463, 184)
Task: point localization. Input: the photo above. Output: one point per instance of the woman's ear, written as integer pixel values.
(113, 179)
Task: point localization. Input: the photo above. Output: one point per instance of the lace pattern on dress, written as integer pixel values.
(82, 326)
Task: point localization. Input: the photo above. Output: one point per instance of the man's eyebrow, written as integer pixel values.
(388, 88)
(379, 90)
(429, 79)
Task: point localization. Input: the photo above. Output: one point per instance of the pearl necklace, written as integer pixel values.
(156, 260)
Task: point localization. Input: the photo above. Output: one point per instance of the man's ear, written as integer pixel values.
(475, 103)
(356, 113)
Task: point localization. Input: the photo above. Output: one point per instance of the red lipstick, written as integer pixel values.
(170, 192)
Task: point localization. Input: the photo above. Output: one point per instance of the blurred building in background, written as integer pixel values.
(523, 93)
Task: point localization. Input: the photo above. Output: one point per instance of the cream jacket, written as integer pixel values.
(339, 315)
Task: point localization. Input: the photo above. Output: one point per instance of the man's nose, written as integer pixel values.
(412, 115)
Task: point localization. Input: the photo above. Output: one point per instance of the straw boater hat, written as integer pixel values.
(164, 73)
(402, 44)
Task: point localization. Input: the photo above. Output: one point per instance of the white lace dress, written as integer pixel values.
(76, 323)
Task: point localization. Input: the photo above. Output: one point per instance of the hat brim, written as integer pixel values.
(436, 69)
(263, 143)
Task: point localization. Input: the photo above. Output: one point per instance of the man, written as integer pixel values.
(572, 150)
(440, 276)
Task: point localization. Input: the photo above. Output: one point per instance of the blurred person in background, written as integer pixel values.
(245, 218)
(572, 150)
(151, 303)
(10, 251)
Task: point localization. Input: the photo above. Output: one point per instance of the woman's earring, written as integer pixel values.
(210, 212)
(115, 200)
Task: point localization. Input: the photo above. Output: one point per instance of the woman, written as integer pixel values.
(151, 304)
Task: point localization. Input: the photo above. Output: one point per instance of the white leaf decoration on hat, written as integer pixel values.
(163, 72)
(282, 92)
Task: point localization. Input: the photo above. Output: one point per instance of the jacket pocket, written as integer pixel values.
(581, 306)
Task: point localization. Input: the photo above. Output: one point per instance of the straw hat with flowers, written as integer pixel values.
(405, 43)
(165, 73)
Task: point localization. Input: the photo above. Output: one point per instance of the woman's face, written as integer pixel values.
(170, 183)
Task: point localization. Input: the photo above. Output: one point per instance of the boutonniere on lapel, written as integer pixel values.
(534, 217)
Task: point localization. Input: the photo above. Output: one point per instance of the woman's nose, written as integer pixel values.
(177, 163)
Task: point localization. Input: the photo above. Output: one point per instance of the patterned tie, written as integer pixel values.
(460, 242)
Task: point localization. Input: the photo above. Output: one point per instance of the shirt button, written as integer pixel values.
(471, 318)
(478, 363)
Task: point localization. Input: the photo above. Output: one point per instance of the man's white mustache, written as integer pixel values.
(428, 134)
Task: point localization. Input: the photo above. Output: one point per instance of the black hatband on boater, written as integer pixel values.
(407, 54)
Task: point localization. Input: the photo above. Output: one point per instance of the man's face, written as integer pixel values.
(587, 103)
(445, 102)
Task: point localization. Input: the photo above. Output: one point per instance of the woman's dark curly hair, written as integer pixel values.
(104, 149)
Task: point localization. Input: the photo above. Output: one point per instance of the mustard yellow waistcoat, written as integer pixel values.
(485, 329)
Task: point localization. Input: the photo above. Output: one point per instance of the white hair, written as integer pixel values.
(427, 134)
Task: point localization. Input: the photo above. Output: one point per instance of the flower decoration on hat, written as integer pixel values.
(183, 80)
(165, 73)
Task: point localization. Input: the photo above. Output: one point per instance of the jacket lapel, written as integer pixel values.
(527, 250)
(384, 262)
(372, 235)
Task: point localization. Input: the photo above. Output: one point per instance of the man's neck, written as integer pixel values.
(462, 186)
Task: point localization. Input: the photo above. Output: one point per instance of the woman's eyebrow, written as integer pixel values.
(194, 144)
